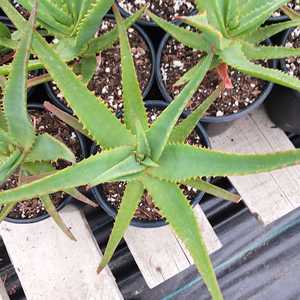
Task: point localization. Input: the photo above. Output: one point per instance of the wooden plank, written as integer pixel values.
(269, 196)
(50, 266)
(160, 255)
(3, 292)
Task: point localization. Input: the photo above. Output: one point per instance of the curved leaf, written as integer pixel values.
(193, 162)
(159, 133)
(8, 166)
(189, 38)
(235, 57)
(15, 94)
(174, 206)
(269, 52)
(51, 210)
(106, 40)
(185, 128)
(211, 189)
(134, 108)
(91, 21)
(265, 32)
(79, 174)
(132, 196)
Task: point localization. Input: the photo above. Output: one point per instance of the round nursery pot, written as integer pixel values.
(164, 9)
(252, 96)
(24, 213)
(102, 195)
(106, 81)
(283, 106)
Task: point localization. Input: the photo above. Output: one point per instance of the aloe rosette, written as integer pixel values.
(232, 31)
(73, 25)
(141, 155)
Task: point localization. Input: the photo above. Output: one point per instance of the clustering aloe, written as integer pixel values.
(22, 151)
(73, 25)
(141, 155)
(231, 33)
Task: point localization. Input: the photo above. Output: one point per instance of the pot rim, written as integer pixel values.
(54, 99)
(66, 200)
(104, 204)
(212, 119)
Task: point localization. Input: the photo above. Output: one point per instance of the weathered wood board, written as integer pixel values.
(50, 266)
(270, 195)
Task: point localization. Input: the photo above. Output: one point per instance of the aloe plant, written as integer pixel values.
(74, 24)
(22, 151)
(141, 155)
(231, 31)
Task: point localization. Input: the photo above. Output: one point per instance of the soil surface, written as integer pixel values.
(293, 63)
(106, 83)
(295, 4)
(177, 59)
(147, 210)
(44, 122)
(167, 9)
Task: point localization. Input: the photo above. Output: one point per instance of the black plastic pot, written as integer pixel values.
(111, 211)
(214, 125)
(283, 106)
(68, 199)
(55, 100)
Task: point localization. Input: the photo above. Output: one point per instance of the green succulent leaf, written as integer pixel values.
(46, 19)
(159, 134)
(255, 13)
(3, 124)
(269, 52)
(211, 189)
(143, 147)
(193, 162)
(88, 66)
(32, 66)
(216, 14)
(106, 40)
(51, 210)
(15, 94)
(8, 166)
(90, 22)
(189, 38)
(134, 108)
(185, 128)
(38, 168)
(128, 166)
(232, 12)
(172, 203)
(212, 35)
(47, 148)
(265, 32)
(235, 57)
(132, 196)
(79, 174)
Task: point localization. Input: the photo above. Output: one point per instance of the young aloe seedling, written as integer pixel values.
(74, 24)
(231, 32)
(21, 150)
(141, 155)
